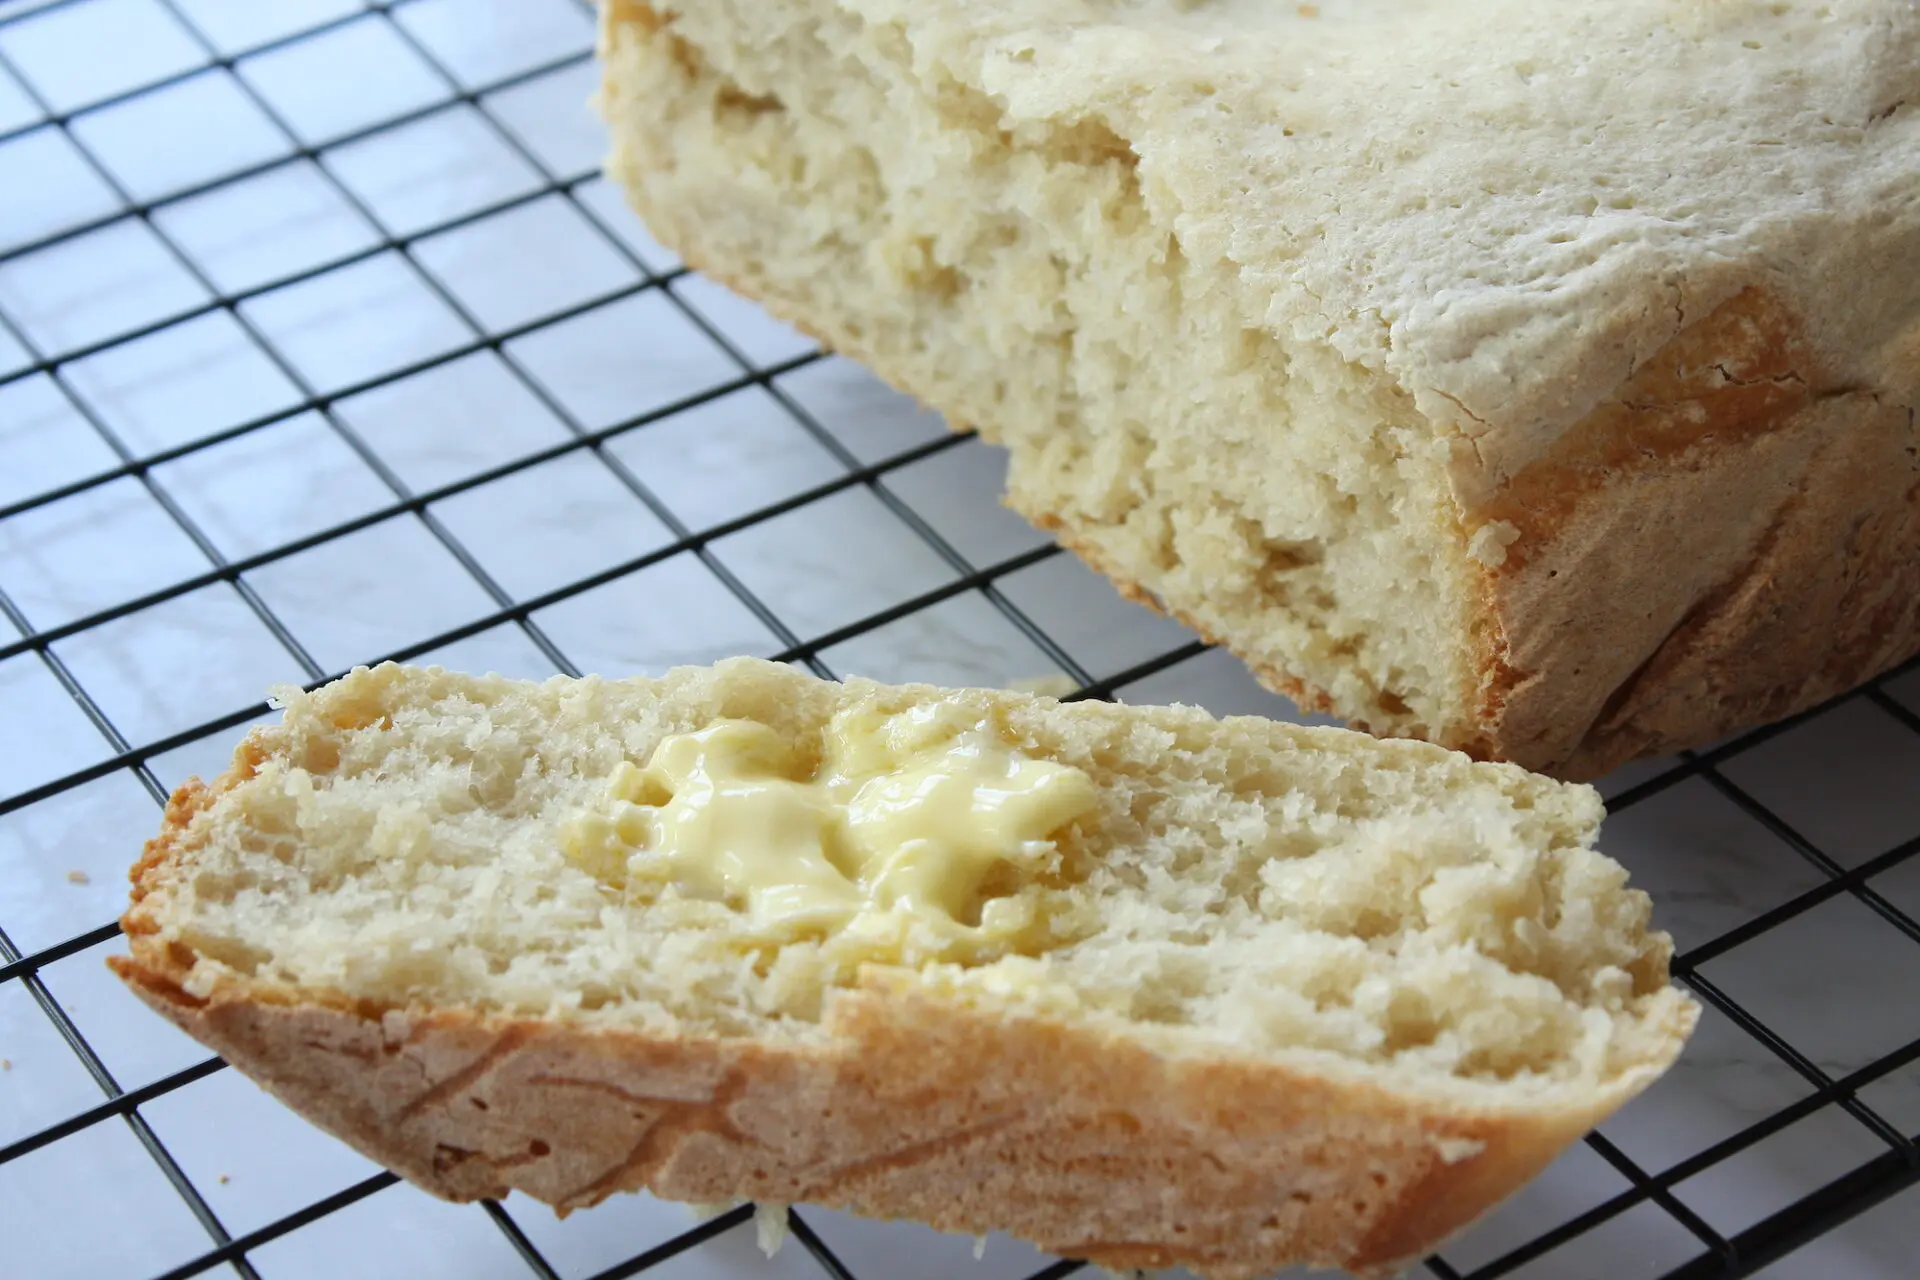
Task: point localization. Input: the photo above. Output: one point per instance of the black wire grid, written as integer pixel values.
(1892, 1166)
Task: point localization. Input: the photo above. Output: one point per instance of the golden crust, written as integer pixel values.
(1733, 537)
(1311, 700)
(906, 1105)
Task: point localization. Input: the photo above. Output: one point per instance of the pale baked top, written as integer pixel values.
(1506, 205)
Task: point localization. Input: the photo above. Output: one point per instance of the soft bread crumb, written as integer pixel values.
(1013, 273)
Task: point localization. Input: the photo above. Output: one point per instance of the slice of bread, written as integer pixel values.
(1273, 994)
(1538, 379)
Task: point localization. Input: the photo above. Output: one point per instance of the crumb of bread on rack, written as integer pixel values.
(770, 1227)
(77, 876)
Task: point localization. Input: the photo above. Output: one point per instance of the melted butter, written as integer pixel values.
(892, 839)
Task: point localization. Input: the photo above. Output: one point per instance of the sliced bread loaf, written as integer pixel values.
(1133, 983)
(1538, 379)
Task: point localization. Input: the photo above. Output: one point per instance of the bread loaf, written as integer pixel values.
(1231, 994)
(1537, 379)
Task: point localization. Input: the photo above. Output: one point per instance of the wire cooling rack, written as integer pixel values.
(322, 342)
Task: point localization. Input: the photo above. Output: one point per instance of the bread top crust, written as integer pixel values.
(1507, 206)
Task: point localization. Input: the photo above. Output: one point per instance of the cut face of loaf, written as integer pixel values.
(1133, 983)
(1531, 378)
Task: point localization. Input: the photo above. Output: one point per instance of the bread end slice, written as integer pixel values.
(1329, 999)
(1399, 374)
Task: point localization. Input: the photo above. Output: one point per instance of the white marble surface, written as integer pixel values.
(1838, 982)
